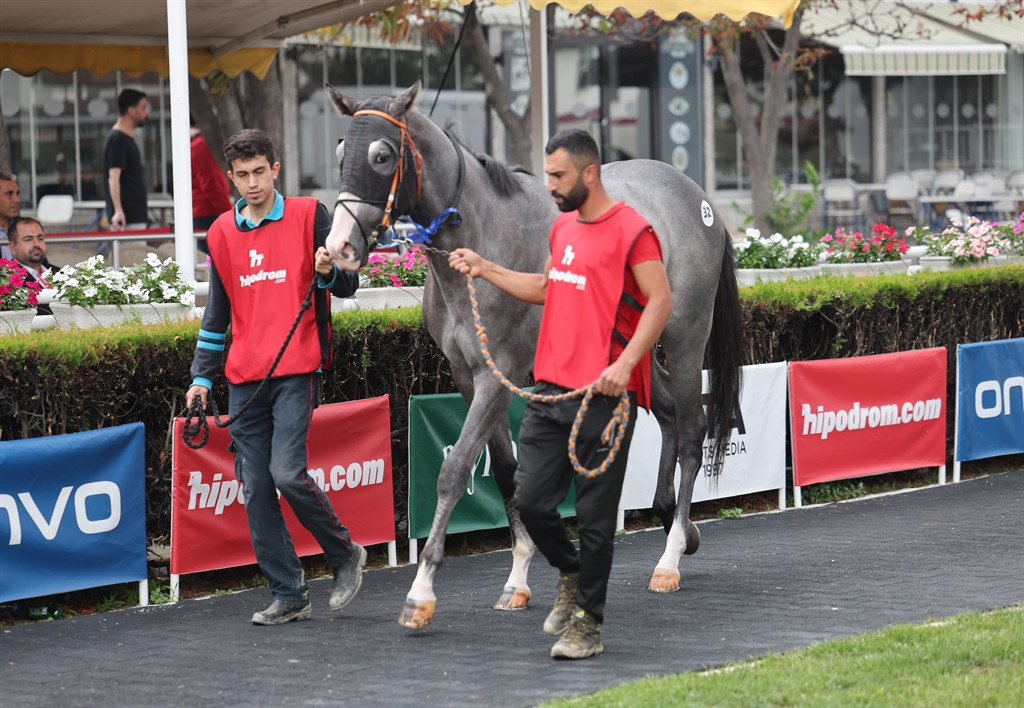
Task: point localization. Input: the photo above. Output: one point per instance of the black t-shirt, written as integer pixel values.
(120, 150)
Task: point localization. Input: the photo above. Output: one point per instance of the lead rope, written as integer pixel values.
(196, 425)
(613, 433)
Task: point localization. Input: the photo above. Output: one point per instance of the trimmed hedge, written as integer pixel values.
(61, 382)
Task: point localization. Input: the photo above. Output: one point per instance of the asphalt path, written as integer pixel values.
(759, 584)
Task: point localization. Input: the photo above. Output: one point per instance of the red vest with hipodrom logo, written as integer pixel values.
(266, 272)
(589, 315)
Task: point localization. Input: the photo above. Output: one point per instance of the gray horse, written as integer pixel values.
(396, 162)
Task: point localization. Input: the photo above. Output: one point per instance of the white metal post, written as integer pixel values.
(181, 154)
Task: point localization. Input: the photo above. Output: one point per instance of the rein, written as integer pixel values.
(196, 427)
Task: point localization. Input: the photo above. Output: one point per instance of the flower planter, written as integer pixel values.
(70, 316)
(380, 298)
(15, 321)
(752, 276)
(941, 263)
(862, 269)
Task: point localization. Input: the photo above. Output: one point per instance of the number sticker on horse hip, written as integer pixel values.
(706, 215)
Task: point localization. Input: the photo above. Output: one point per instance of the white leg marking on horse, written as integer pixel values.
(516, 594)
(420, 603)
(666, 572)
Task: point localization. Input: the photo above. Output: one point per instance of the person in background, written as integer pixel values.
(123, 175)
(10, 208)
(211, 195)
(28, 243)
(264, 255)
(606, 300)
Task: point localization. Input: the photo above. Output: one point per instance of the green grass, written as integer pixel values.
(975, 659)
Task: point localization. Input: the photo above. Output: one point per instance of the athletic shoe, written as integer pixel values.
(582, 638)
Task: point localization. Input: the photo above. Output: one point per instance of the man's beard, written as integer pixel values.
(575, 198)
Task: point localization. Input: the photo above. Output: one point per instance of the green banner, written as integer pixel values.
(435, 423)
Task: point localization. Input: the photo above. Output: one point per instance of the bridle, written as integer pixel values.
(396, 182)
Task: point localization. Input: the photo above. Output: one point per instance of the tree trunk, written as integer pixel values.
(517, 127)
(759, 135)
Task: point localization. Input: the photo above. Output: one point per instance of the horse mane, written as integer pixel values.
(501, 175)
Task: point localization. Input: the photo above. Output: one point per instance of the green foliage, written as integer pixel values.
(974, 659)
(733, 513)
(789, 215)
(832, 492)
(790, 208)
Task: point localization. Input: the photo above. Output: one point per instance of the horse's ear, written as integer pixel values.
(344, 105)
(401, 105)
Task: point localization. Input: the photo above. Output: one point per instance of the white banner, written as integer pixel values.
(756, 456)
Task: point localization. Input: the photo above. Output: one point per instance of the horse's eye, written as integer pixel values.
(381, 156)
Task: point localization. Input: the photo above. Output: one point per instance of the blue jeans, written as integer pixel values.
(270, 455)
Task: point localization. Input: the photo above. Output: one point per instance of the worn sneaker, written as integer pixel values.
(582, 637)
(282, 611)
(348, 578)
(565, 602)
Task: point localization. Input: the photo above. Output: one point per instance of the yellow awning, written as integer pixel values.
(668, 9)
(99, 59)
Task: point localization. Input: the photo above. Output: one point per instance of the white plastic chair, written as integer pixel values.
(839, 204)
(901, 191)
(923, 176)
(55, 209)
(946, 181)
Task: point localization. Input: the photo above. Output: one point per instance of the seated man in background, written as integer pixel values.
(28, 243)
(10, 208)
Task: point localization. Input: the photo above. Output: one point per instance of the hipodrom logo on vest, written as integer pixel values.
(255, 260)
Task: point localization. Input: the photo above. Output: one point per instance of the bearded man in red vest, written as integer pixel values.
(264, 254)
(606, 300)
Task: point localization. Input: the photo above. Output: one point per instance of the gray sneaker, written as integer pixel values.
(348, 578)
(282, 611)
(565, 602)
(582, 638)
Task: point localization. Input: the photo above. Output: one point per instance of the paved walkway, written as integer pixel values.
(759, 584)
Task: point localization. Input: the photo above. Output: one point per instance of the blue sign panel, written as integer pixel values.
(72, 511)
(990, 399)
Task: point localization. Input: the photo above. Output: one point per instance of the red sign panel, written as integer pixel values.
(348, 455)
(867, 415)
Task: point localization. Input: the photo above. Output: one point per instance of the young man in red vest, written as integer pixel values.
(264, 254)
(606, 300)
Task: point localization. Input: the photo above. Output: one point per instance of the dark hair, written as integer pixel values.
(12, 228)
(128, 98)
(578, 143)
(247, 144)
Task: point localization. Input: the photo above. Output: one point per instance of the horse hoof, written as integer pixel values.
(692, 539)
(513, 598)
(417, 615)
(664, 581)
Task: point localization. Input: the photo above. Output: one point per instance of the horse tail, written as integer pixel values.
(723, 357)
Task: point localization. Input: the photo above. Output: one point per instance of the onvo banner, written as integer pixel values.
(348, 456)
(990, 399)
(72, 511)
(867, 415)
(755, 459)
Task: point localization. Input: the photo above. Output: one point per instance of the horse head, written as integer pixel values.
(380, 173)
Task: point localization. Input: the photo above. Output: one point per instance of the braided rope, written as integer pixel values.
(613, 433)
